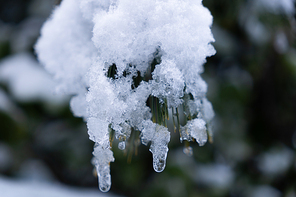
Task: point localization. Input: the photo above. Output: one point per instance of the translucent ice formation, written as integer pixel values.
(128, 69)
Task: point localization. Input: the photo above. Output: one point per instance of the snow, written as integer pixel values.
(10, 108)
(281, 43)
(5, 104)
(114, 59)
(168, 82)
(261, 32)
(6, 158)
(197, 130)
(276, 161)
(215, 175)
(68, 49)
(28, 81)
(16, 188)
(264, 190)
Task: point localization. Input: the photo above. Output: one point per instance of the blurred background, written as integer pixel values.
(251, 84)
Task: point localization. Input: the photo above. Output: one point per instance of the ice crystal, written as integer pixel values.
(130, 65)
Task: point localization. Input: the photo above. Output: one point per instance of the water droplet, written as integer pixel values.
(121, 145)
(188, 151)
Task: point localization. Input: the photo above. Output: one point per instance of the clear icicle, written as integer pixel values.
(102, 158)
(104, 178)
(159, 158)
(159, 147)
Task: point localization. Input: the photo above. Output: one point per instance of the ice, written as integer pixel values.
(185, 134)
(102, 158)
(104, 179)
(159, 147)
(122, 135)
(121, 145)
(114, 60)
(159, 159)
(123, 132)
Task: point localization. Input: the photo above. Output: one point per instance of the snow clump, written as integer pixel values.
(127, 63)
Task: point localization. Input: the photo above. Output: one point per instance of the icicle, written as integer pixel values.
(159, 147)
(102, 158)
(104, 178)
(159, 159)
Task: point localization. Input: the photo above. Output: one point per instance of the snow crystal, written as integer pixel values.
(127, 68)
